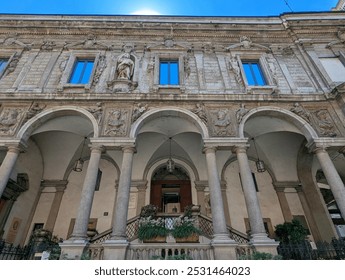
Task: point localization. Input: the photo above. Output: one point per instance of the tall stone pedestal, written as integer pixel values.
(115, 249)
(72, 249)
(224, 248)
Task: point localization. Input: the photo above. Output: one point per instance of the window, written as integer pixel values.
(334, 68)
(82, 71)
(253, 72)
(168, 72)
(3, 64)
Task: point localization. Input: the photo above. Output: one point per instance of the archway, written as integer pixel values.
(170, 191)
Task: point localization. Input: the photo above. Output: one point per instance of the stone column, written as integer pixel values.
(83, 216)
(74, 246)
(200, 193)
(333, 178)
(224, 246)
(284, 205)
(258, 233)
(225, 203)
(141, 186)
(115, 247)
(7, 166)
(60, 186)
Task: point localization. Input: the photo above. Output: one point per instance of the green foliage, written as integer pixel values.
(184, 227)
(151, 228)
(261, 256)
(291, 232)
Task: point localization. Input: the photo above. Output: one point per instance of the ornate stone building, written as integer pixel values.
(248, 111)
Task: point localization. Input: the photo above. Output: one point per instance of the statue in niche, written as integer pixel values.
(116, 123)
(300, 111)
(221, 124)
(97, 112)
(125, 67)
(325, 124)
(139, 109)
(200, 111)
(9, 120)
(240, 113)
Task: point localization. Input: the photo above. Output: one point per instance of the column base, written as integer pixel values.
(264, 244)
(73, 249)
(115, 249)
(224, 247)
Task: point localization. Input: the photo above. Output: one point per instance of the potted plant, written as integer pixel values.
(152, 230)
(184, 229)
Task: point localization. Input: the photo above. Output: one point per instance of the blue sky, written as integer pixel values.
(165, 7)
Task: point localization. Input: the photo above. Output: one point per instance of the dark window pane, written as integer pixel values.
(81, 72)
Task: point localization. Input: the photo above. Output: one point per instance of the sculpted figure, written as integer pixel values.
(115, 123)
(34, 110)
(97, 111)
(125, 67)
(138, 111)
(325, 124)
(199, 110)
(299, 110)
(240, 113)
(222, 122)
(8, 120)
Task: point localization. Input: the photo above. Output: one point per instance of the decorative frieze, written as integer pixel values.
(10, 120)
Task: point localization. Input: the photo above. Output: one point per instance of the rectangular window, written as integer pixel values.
(82, 71)
(168, 72)
(253, 72)
(3, 64)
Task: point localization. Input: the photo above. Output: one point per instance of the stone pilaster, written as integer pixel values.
(284, 205)
(141, 187)
(200, 194)
(59, 186)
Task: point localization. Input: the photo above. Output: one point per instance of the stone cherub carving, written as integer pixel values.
(300, 111)
(97, 112)
(240, 113)
(200, 111)
(34, 110)
(138, 110)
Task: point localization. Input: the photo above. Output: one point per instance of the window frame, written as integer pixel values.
(169, 75)
(70, 66)
(254, 75)
(5, 60)
(81, 77)
(171, 56)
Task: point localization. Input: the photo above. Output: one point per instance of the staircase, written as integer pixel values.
(141, 251)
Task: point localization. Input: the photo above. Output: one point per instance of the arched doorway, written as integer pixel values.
(170, 191)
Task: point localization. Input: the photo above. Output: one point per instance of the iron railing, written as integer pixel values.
(9, 251)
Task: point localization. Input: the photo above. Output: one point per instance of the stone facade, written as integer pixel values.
(215, 122)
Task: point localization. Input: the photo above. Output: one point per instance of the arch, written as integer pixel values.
(26, 130)
(294, 119)
(165, 112)
(190, 170)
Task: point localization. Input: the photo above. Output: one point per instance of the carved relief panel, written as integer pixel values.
(10, 119)
(116, 122)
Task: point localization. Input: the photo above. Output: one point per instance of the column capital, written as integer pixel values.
(129, 149)
(59, 185)
(210, 149)
(240, 148)
(140, 185)
(201, 185)
(97, 148)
